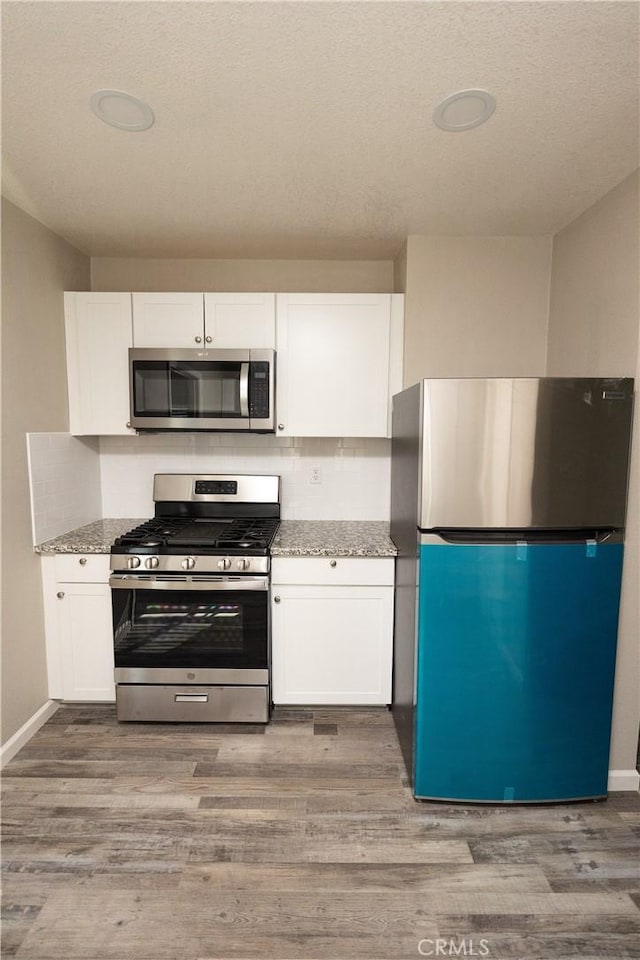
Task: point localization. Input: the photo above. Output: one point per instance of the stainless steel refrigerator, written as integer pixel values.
(508, 501)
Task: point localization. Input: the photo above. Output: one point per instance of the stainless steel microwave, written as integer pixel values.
(202, 389)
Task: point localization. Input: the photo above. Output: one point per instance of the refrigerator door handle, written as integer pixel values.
(488, 538)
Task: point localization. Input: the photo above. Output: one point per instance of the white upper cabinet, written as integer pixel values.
(339, 356)
(168, 320)
(339, 363)
(214, 320)
(98, 336)
(240, 320)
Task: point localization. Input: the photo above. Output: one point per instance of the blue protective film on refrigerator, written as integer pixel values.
(516, 659)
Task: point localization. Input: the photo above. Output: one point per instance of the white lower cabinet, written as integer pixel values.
(79, 635)
(332, 630)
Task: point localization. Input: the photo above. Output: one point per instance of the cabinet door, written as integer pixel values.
(86, 641)
(332, 645)
(168, 320)
(333, 364)
(98, 337)
(240, 320)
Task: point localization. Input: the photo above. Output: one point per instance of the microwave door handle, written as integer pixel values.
(244, 389)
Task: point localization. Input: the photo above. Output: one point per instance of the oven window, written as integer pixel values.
(176, 628)
(186, 388)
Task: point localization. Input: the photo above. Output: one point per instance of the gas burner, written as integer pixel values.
(242, 544)
(186, 534)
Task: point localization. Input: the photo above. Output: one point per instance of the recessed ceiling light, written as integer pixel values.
(122, 110)
(464, 110)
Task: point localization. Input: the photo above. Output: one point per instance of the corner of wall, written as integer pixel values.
(400, 270)
(546, 370)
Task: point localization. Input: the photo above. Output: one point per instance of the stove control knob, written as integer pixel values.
(244, 564)
(133, 562)
(188, 563)
(151, 563)
(224, 564)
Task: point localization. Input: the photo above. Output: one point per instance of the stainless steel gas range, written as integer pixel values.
(190, 599)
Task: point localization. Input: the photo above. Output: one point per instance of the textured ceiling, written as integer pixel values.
(303, 129)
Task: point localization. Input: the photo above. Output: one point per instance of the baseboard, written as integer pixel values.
(623, 780)
(26, 731)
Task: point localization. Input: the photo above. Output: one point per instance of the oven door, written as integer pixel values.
(190, 630)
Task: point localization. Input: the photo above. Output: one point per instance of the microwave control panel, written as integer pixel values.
(259, 389)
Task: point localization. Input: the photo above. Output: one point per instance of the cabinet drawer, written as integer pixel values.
(83, 567)
(352, 571)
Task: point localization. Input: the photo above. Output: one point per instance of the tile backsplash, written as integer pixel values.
(64, 476)
(354, 473)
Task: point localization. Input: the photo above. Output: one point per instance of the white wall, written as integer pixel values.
(355, 472)
(281, 276)
(594, 330)
(64, 476)
(475, 306)
(37, 266)
(593, 314)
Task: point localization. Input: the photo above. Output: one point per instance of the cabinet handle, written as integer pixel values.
(128, 424)
(333, 563)
(60, 595)
(276, 599)
(208, 339)
(281, 426)
(82, 561)
(198, 339)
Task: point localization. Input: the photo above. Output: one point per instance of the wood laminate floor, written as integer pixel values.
(298, 840)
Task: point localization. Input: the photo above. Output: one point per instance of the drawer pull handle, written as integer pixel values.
(333, 563)
(191, 697)
(276, 599)
(82, 561)
(60, 594)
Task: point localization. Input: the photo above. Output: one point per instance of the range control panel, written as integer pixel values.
(216, 486)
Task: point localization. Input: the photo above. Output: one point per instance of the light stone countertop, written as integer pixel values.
(333, 538)
(95, 537)
(295, 538)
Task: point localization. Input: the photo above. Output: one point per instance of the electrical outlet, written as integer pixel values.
(316, 475)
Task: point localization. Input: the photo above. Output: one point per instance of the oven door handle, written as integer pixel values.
(127, 582)
(244, 389)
